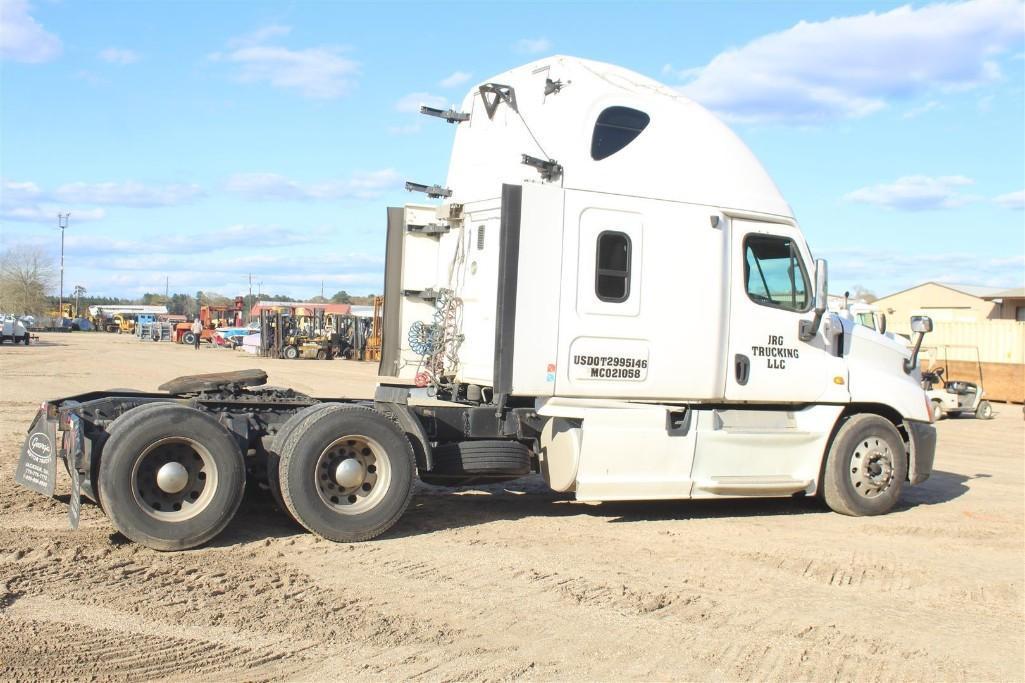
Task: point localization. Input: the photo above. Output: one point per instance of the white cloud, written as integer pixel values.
(1011, 200)
(915, 112)
(22, 38)
(892, 270)
(412, 101)
(260, 35)
(316, 72)
(269, 186)
(26, 202)
(916, 193)
(129, 193)
(117, 55)
(182, 243)
(457, 78)
(532, 46)
(850, 67)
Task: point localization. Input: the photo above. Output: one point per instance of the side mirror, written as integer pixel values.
(922, 324)
(809, 328)
(882, 323)
(821, 286)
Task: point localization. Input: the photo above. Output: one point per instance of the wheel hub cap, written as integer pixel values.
(871, 469)
(352, 474)
(172, 477)
(349, 473)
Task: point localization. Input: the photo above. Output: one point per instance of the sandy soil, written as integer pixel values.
(514, 581)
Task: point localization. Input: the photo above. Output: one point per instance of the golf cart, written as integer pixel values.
(953, 397)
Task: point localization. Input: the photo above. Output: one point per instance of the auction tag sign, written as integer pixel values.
(37, 467)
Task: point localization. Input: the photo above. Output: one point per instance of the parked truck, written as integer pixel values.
(610, 290)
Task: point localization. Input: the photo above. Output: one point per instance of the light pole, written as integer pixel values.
(62, 223)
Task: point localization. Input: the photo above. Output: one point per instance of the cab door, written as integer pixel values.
(771, 292)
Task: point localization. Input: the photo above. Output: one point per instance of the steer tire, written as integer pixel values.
(146, 437)
(274, 451)
(189, 338)
(311, 458)
(470, 462)
(864, 445)
(984, 411)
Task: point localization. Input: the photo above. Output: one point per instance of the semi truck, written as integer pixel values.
(608, 290)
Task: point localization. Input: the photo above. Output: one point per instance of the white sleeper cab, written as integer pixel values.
(608, 289)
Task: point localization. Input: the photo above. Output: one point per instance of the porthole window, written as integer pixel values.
(612, 270)
(616, 128)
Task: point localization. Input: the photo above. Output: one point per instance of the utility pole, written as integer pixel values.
(62, 223)
(321, 289)
(251, 302)
(167, 289)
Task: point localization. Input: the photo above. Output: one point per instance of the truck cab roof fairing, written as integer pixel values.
(683, 153)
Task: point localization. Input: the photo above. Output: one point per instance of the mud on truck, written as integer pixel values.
(608, 290)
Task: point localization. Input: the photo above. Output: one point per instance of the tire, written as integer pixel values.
(189, 338)
(322, 354)
(984, 411)
(481, 458)
(937, 411)
(866, 466)
(144, 439)
(274, 451)
(290, 352)
(381, 482)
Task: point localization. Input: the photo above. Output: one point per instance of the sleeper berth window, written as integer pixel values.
(612, 270)
(616, 128)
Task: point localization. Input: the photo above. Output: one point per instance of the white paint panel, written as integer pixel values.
(783, 368)
(762, 445)
(538, 286)
(677, 306)
(629, 455)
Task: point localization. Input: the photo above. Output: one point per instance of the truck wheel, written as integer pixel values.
(189, 338)
(347, 474)
(290, 352)
(937, 411)
(865, 467)
(274, 452)
(170, 477)
(984, 411)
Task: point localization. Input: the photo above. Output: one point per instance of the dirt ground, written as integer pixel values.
(511, 581)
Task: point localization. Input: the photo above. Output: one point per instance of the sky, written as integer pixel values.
(196, 144)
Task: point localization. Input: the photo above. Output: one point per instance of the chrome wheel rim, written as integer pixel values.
(352, 474)
(871, 467)
(174, 479)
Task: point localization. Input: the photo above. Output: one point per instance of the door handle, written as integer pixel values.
(742, 366)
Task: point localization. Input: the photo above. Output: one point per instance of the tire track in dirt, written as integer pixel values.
(547, 599)
(215, 589)
(55, 650)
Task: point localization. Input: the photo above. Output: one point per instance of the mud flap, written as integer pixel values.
(37, 467)
(74, 454)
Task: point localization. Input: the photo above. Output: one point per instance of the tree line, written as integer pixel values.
(28, 276)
